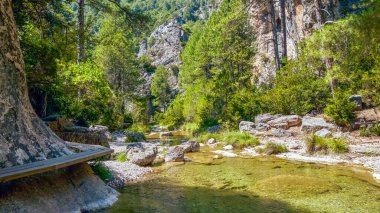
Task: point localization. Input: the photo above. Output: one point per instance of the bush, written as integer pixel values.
(318, 144)
(341, 109)
(272, 148)
(238, 139)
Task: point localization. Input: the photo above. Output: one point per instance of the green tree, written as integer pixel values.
(160, 87)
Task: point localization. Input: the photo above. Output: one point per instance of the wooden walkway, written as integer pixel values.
(87, 152)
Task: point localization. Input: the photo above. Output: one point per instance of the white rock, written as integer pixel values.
(323, 133)
(228, 147)
(211, 141)
(225, 153)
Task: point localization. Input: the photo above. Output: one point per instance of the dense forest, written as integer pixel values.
(82, 63)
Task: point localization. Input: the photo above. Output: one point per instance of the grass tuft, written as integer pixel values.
(121, 157)
(272, 148)
(236, 139)
(325, 145)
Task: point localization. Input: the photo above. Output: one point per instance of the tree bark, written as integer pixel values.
(283, 26)
(80, 37)
(23, 136)
(274, 32)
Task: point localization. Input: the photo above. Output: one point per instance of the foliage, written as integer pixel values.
(215, 74)
(370, 131)
(343, 56)
(160, 87)
(272, 148)
(341, 109)
(319, 144)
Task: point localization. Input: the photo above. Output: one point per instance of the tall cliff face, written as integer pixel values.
(301, 20)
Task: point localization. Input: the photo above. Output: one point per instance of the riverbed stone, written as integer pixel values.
(175, 154)
(140, 153)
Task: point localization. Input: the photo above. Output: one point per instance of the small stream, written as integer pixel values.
(255, 184)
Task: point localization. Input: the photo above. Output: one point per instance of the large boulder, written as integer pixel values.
(175, 154)
(71, 189)
(247, 126)
(285, 122)
(191, 146)
(140, 153)
(313, 124)
(358, 100)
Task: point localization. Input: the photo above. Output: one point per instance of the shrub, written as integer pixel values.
(238, 139)
(318, 144)
(121, 157)
(341, 109)
(272, 148)
(102, 172)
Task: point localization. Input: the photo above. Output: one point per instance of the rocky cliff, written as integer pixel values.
(301, 20)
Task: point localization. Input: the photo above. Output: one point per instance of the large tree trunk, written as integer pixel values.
(274, 32)
(283, 26)
(80, 37)
(23, 136)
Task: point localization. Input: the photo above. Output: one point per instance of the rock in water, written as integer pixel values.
(191, 146)
(141, 154)
(175, 154)
(72, 189)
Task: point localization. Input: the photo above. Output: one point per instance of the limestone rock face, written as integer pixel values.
(73, 189)
(141, 154)
(301, 21)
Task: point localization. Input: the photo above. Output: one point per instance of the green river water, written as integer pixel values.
(260, 184)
